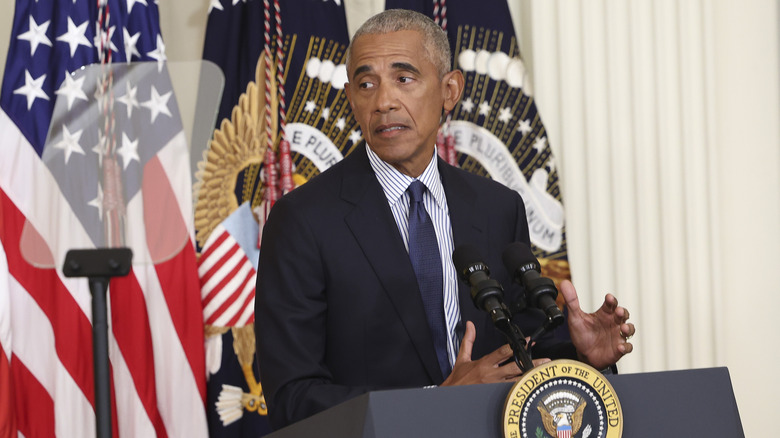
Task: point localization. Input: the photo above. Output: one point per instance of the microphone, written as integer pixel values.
(540, 292)
(486, 293)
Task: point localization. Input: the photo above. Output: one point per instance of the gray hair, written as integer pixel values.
(394, 20)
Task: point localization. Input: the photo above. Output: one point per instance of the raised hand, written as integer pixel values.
(601, 338)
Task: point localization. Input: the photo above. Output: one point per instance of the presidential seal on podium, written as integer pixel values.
(562, 399)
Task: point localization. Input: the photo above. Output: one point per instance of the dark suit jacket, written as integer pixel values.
(338, 310)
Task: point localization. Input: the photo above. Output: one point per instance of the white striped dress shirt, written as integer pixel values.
(394, 184)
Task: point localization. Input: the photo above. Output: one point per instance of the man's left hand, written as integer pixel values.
(601, 338)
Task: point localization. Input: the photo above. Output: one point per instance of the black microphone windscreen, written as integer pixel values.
(518, 254)
(463, 257)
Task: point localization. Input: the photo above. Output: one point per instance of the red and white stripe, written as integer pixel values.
(7, 414)
(156, 334)
(227, 279)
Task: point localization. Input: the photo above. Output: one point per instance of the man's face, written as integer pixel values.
(397, 97)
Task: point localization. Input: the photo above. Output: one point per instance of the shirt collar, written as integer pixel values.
(395, 183)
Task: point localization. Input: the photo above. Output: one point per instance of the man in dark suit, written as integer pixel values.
(339, 310)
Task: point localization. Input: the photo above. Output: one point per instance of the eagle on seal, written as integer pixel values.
(558, 423)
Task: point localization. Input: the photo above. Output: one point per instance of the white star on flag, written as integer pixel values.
(98, 202)
(36, 35)
(325, 113)
(70, 143)
(128, 151)
(129, 99)
(341, 123)
(32, 88)
(131, 3)
(75, 36)
(505, 115)
(310, 106)
(215, 4)
(158, 104)
(524, 126)
(130, 45)
(484, 108)
(158, 53)
(468, 105)
(540, 143)
(71, 89)
(355, 136)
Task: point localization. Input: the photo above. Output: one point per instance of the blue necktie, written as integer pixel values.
(426, 261)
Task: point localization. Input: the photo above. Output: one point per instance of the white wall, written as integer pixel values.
(747, 118)
(664, 119)
(6, 23)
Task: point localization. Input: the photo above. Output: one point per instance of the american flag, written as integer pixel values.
(55, 194)
(228, 268)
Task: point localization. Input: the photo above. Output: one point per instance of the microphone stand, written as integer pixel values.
(487, 295)
(516, 340)
(99, 265)
(550, 323)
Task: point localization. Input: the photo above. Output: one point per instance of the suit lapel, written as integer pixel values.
(468, 227)
(386, 253)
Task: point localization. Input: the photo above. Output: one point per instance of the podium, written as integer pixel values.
(664, 404)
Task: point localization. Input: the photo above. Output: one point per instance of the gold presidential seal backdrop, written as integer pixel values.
(290, 120)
